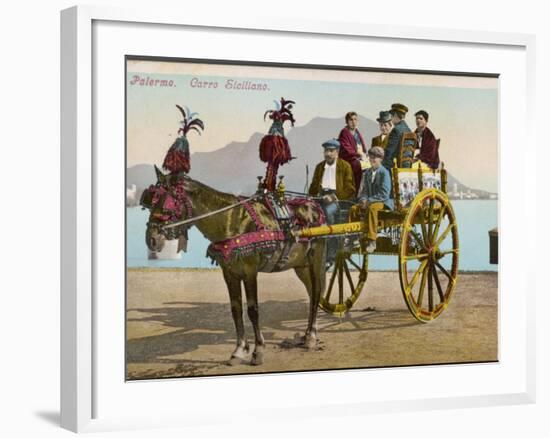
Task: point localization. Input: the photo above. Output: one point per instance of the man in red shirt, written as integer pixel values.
(352, 147)
(429, 155)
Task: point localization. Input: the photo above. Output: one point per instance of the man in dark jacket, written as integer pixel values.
(352, 147)
(332, 180)
(428, 153)
(398, 112)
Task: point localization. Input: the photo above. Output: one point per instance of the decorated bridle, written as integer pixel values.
(168, 203)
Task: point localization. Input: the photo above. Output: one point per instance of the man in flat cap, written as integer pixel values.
(332, 180)
(385, 124)
(428, 155)
(398, 112)
(353, 148)
(374, 195)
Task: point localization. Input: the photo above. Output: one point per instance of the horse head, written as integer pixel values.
(167, 202)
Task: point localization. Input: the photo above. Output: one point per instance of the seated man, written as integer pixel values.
(374, 196)
(428, 155)
(395, 137)
(332, 180)
(353, 148)
(385, 124)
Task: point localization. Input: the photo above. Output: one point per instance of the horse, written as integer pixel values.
(177, 197)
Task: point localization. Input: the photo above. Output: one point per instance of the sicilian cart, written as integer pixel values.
(421, 231)
(273, 232)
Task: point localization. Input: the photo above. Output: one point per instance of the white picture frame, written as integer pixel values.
(94, 395)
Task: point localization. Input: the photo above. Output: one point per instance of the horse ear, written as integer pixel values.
(160, 175)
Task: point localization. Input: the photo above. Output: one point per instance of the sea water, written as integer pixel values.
(474, 218)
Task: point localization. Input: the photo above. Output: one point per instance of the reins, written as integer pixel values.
(210, 213)
(229, 207)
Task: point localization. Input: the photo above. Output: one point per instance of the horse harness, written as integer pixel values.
(275, 244)
(171, 204)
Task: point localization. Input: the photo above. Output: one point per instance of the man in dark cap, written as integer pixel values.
(398, 112)
(385, 124)
(429, 154)
(353, 149)
(332, 180)
(374, 195)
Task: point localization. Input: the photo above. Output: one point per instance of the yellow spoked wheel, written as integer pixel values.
(428, 255)
(346, 279)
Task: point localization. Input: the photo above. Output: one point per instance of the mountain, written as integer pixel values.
(235, 167)
(142, 175)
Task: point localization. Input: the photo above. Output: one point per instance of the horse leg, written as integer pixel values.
(316, 269)
(313, 278)
(303, 275)
(235, 295)
(251, 290)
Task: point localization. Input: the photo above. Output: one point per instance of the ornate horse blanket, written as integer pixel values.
(276, 244)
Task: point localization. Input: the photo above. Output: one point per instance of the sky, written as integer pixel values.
(463, 110)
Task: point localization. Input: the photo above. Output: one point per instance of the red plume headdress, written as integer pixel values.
(178, 158)
(274, 148)
(282, 112)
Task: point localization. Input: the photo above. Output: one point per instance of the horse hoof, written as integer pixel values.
(234, 361)
(257, 358)
(310, 343)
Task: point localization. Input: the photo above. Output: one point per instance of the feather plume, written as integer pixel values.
(282, 111)
(177, 158)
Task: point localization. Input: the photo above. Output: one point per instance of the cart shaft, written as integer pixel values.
(332, 230)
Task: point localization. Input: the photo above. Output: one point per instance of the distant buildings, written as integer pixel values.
(133, 195)
(470, 194)
(454, 193)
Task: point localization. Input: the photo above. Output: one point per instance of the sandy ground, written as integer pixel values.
(179, 324)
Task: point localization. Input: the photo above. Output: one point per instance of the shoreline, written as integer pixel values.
(217, 268)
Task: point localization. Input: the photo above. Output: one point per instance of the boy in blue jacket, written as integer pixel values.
(374, 195)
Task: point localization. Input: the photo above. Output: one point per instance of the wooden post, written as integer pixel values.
(443, 178)
(493, 246)
(395, 182)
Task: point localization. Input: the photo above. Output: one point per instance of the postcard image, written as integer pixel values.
(300, 218)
